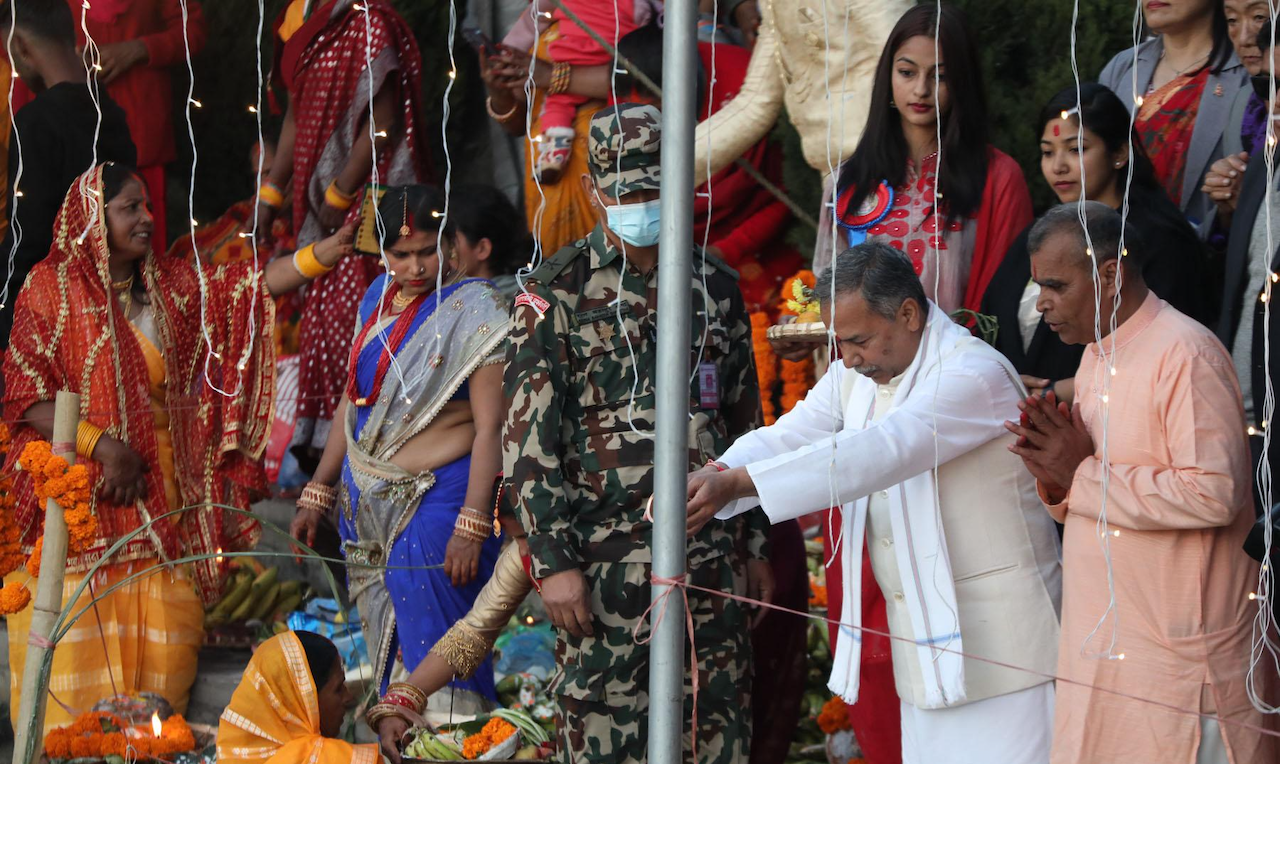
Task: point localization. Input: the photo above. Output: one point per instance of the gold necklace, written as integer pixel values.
(123, 290)
(400, 301)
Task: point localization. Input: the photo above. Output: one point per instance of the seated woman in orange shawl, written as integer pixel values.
(289, 707)
(172, 417)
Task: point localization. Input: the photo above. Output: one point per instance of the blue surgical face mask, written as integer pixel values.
(635, 224)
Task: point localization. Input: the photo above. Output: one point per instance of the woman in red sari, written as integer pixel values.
(323, 51)
(105, 317)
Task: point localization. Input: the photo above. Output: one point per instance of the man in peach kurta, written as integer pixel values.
(1178, 509)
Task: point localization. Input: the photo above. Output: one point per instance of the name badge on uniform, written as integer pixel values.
(708, 386)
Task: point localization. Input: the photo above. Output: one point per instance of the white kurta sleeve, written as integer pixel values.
(815, 417)
(940, 420)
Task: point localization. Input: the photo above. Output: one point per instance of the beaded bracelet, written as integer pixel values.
(560, 74)
(271, 195)
(336, 198)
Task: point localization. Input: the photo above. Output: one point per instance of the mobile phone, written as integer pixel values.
(478, 40)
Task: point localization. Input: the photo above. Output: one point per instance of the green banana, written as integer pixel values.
(266, 579)
(266, 603)
(246, 607)
(240, 587)
(287, 604)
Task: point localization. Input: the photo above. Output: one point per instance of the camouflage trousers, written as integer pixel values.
(602, 682)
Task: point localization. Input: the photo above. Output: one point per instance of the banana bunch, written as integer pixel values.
(255, 596)
(428, 747)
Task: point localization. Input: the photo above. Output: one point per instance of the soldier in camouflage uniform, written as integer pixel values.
(578, 448)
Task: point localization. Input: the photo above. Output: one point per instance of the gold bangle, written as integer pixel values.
(471, 529)
(318, 497)
(87, 436)
(307, 264)
(270, 195)
(336, 198)
(496, 116)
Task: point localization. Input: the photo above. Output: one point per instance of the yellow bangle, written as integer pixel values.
(336, 198)
(87, 436)
(306, 263)
(271, 196)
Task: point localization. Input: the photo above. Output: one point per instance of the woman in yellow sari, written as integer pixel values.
(167, 422)
(289, 707)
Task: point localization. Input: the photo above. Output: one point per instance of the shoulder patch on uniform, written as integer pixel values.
(537, 302)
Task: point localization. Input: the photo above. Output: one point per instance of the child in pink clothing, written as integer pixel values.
(610, 19)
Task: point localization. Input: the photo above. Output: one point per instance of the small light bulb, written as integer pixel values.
(1064, 115)
(1275, 277)
(252, 108)
(1115, 533)
(1138, 100)
(194, 223)
(1120, 656)
(196, 103)
(381, 133)
(435, 214)
(1088, 252)
(18, 193)
(97, 67)
(1262, 297)
(453, 75)
(244, 234)
(1113, 371)
(1253, 596)
(1106, 398)
(1271, 140)
(1251, 431)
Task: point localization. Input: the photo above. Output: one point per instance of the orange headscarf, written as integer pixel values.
(274, 717)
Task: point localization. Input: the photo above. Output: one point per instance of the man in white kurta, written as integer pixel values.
(906, 434)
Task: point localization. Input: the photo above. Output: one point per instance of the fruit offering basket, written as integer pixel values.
(505, 736)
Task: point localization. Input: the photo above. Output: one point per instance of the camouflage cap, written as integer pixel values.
(625, 145)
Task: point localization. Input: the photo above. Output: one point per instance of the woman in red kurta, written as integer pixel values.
(323, 51)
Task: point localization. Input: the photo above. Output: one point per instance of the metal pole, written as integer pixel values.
(48, 599)
(671, 456)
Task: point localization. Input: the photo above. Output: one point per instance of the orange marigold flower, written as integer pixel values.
(834, 716)
(177, 734)
(141, 746)
(114, 743)
(33, 562)
(86, 723)
(57, 743)
(817, 594)
(86, 746)
(13, 598)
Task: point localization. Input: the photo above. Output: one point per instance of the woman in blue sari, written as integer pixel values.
(412, 471)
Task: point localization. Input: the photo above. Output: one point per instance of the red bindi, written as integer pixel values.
(1057, 130)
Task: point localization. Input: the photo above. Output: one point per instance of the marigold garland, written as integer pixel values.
(766, 364)
(834, 716)
(11, 558)
(68, 485)
(98, 734)
(494, 732)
